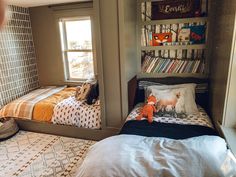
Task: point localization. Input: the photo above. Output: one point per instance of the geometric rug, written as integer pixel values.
(29, 154)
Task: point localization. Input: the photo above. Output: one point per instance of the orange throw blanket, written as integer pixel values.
(43, 110)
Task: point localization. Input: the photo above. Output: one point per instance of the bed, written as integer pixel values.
(57, 105)
(169, 146)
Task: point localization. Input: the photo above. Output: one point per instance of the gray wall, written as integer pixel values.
(18, 69)
(118, 52)
(128, 47)
(111, 64)
(47, 45)
(221, 36)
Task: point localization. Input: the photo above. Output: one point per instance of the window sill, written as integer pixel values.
(73, 82)
(230, 136)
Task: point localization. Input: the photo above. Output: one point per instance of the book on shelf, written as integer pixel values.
(198, 34)
(170, 65)
(184, 35)
(174, 65)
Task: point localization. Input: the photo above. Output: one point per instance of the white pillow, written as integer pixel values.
(189, 95)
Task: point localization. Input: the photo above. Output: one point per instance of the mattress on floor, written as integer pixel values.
(199, 118)
(169, 126)
(43, 110)
(35, 154)
(24, 107)
(56, 105)
(77, 113)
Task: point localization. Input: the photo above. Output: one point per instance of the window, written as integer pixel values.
(77, 48)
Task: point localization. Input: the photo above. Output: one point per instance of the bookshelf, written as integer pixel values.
(174, 47)
(189, 51)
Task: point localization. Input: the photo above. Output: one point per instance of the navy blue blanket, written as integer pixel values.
(167, 130)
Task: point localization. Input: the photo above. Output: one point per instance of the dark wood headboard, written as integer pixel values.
(136, 93)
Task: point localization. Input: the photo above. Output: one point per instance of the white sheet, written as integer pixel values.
(77, 113)
(130, 155)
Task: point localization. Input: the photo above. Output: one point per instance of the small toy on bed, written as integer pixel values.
(148, 110)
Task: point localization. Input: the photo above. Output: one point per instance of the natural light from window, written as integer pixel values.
(77, 48)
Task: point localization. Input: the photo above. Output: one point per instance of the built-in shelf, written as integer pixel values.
(174, 21)
(145, 32)
(175, 47)
(162, 75)
(230, 136)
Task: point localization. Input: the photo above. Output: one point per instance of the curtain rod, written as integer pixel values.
(74, 5)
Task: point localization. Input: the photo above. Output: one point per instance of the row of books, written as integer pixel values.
(163, 65)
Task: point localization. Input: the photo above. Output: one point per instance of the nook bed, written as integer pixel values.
(57, 105)
(170, 146)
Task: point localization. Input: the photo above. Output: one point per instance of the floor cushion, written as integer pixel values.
(8, 128)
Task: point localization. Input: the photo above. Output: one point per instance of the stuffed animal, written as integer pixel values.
(148, 110)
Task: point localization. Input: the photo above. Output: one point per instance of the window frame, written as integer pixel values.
(87, 14)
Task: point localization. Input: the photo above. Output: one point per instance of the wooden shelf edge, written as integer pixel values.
(162, 75)
(173, 21)
(169, 47)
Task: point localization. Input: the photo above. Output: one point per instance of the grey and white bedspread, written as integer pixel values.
(199, 118)
(77, 113)
(131, 156)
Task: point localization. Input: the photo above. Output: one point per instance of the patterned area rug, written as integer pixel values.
(29, 154)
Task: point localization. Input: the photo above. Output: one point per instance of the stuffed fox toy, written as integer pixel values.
(148, 110)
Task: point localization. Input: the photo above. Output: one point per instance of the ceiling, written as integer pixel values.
(34, 3)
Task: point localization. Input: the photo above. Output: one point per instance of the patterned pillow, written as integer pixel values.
(171, 102)
(190, 106)
(82, 92)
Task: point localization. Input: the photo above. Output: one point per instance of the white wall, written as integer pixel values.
(229, 117)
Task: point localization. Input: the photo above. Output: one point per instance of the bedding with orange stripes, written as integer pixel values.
(37, 105)
(43, 110)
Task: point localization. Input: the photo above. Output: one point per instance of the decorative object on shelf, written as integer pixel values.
(184, 35)
(159, 39)
(198, 34)
(169, 9)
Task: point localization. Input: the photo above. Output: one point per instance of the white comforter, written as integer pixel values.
(130, 155)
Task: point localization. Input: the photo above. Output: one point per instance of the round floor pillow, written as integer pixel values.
(8, 128)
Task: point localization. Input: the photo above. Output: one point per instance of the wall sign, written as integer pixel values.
(168, 9)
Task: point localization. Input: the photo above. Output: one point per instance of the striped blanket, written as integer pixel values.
(23, 106)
